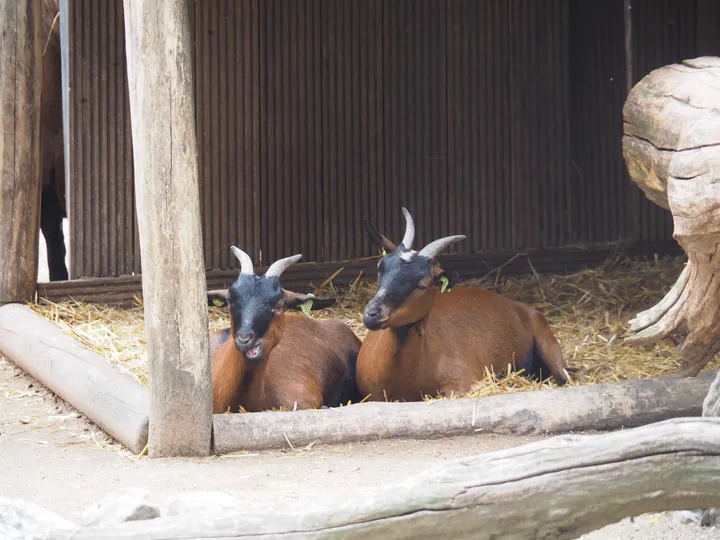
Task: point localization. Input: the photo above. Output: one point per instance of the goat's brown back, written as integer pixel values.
(51, 112)
(467, 330)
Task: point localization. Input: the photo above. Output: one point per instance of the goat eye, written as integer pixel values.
(277, 308)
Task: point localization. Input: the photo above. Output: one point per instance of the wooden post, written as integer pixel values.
(162, 113)
(20, 77)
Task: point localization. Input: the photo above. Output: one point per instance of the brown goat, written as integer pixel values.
(272, 359)
(52, 157)
(424, 342)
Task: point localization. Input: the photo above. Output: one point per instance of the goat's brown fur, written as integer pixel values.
(442, 343)
(305, 366)
(51, 133)
(52, 159)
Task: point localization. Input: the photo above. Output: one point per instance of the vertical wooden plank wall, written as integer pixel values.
(227, 90)
(664, 31)
(101, 209)
(500, 119)
(415, 116)
(290, 137)
(539, 136)
(601, 190)
(479, 124)
(350, 125)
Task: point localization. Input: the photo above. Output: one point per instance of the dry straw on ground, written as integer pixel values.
(587, 310)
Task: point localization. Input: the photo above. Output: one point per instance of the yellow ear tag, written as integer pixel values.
(384, 252)
(217, 303)
(445, 282)
(307, 305)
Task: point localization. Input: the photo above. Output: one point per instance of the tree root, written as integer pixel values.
(693, 307)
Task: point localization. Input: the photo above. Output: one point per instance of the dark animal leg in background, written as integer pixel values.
(51, 224)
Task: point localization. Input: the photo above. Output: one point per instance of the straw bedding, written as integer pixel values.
(587, 310)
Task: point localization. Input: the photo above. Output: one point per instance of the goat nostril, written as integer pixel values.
(244, 338)
(372, 311)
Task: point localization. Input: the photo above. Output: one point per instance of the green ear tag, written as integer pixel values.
(217, 303)
(445, 282)
(307, 305)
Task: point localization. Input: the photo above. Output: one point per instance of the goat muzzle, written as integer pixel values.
(375, 315)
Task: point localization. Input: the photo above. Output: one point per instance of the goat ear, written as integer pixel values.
(293, 300)
(378, 240)
(218, 298)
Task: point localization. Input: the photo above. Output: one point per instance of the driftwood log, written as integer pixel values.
(20, 71)
(593, 407)
(558, 488)
(111, 399)
(671, 148)
(160, 80)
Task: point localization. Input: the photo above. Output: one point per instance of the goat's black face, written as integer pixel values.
(400, 274)
(254, 303)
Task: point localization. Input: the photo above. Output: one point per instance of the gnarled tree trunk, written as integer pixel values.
(672, 151)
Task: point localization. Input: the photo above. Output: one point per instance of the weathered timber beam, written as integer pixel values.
(162, 110)
(592, 407)
(111, 399)
(20, 78)
(559, 488)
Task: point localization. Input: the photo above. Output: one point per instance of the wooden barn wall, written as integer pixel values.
(101, 201)
(600, 186)
(664, 32)
(499, 119)
(227, 93)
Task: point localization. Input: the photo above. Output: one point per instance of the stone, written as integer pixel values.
(128, 504)
(686, 517)
(24, 520)
(711, 518)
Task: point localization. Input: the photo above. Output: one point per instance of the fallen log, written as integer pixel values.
(111, 399)
(581, 408)
(671, 146)
(558, 488)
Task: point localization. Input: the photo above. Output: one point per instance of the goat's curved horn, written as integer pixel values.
(409, 230)
(436, 246)
(246, 264)
(278, 267)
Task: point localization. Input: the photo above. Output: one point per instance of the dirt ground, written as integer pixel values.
(52, 456)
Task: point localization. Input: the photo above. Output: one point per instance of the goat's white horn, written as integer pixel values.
(246, 264)
(278, 267)
(436, 246)
(409, 230)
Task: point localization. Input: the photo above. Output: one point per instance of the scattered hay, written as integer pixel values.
(587, 310)
(117, 334)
